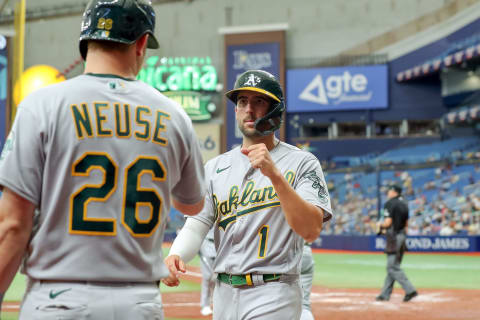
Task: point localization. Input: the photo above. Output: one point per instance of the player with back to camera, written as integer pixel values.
(264, 199)
(102, 156)
(394, 225)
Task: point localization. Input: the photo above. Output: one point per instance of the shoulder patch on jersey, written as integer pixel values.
(317, 183)
(8, 146)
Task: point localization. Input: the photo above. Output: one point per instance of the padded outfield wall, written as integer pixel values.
(453, 244)
(414, 243)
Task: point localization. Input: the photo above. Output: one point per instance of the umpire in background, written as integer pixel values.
(394, 226)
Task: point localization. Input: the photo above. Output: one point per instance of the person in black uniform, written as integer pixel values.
(394, 225)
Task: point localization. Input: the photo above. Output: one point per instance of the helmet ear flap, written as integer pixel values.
(271, 121)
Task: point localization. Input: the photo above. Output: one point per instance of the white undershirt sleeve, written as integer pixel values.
(188, 242)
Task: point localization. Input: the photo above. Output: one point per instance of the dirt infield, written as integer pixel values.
(355, 304)
(431, 304)
(352, 304)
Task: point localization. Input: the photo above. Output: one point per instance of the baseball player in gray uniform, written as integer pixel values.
(207, 258)
(264, 199)
(306, 279)
(102, 156)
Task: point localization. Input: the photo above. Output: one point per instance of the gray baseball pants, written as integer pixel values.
(277, 300)
(91, 300)
(394, 272)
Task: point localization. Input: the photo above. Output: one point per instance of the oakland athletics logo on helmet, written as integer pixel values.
(252, 80)
(265, 83)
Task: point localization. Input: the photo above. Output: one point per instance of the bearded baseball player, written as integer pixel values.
(102, 156)
(264, 199)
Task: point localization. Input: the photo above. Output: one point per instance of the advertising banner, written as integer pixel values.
(190, 81)
(208, 135)
(337, 89)
(3, 88)
(240, 58)
(414, 243)
(434, 243)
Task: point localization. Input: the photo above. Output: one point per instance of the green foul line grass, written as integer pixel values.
(425, 271)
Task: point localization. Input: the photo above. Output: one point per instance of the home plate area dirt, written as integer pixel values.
(356, 304)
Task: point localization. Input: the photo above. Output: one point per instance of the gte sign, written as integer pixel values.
(343, 88)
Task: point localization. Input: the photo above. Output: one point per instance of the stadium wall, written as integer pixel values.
(414, 243)
(458, 244)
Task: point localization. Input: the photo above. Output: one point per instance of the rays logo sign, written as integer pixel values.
(333, 89)
(244, 60)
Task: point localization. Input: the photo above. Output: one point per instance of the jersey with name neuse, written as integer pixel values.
(101, 157)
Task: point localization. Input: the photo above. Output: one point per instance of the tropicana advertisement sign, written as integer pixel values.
(191, 81)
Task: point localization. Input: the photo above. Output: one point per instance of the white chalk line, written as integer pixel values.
(193, 273)
(352, 301)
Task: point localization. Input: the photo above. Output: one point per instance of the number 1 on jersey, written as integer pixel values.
(262, 247)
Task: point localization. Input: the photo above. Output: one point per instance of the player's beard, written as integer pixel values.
(247, 131)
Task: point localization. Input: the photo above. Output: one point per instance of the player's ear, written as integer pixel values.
(141, 45)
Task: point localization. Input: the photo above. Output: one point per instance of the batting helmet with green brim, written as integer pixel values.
(122, 21)
(266, 84)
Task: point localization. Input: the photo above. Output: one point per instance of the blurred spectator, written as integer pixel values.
(442, 200)
(474, 228)
(447, 229)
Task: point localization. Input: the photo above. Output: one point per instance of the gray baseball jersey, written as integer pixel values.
(208, 248)
(207, 259)
(101, 157)
(251, 232)
(306, 279)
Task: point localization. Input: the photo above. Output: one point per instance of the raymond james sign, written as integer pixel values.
(336, 89)
(432, 243)
(414, 243)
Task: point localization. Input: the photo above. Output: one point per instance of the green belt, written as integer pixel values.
(244, 280)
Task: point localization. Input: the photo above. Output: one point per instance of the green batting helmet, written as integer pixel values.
(123, 21)
(265, 83)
